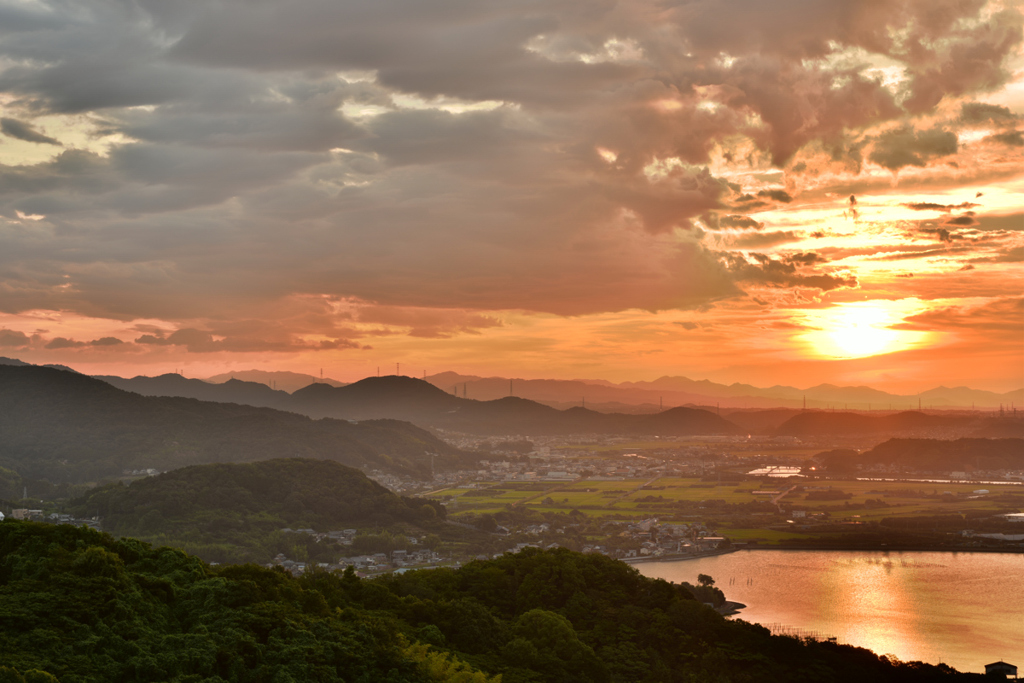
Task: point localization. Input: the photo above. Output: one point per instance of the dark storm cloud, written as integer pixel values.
(743, 222)
(24, 131)
(905, 146)
(764, 240)
(980, 114)
(765, 270)
(1013, 138)
(932, 206)
(65, 343)
(14, 339)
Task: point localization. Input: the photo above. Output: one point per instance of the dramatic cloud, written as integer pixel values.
(23, 131)
(906, 147)
(932, 206)
(285, 179)
(981, 114)
(13, 339)
(999, 315)
(742, 222)
(64, 343)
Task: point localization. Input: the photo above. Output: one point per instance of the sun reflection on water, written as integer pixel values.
(962, 609)
(881, 590)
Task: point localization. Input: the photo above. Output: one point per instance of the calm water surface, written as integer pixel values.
(964, 609)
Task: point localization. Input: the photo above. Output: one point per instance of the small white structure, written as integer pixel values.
(1001, 669)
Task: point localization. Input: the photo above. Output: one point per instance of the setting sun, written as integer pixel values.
(858, 330)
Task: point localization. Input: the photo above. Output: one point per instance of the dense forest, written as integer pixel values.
(105, 431)
(235, 512)
(79, 606)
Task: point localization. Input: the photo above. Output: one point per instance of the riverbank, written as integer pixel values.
(729, 608)
(889, 548)
(675, 557)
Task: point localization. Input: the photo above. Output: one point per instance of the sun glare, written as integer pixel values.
(858, 330)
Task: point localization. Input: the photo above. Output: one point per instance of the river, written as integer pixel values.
(963, 609)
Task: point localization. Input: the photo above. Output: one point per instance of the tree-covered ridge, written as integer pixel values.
(234, 512)
(931, 455)
(84, 607)
(104, 431)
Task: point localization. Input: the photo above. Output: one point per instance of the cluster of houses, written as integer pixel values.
(147, 472)
(642, 539)
(371, 565)
(654, 540)
(52, 518)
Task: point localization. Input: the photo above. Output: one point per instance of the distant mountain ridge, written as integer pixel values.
(673, 391)
(276, 379)
(400, 397)
(231, 391)
(417, 401)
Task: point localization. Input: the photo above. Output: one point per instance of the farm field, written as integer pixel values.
(643, 497)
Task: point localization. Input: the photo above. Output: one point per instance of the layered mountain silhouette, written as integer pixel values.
(276, 379)
(414, 400)
(407, 398)
(69, 428)
(230, 391)
(675, 391)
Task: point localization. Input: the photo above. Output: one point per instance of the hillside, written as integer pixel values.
(760, 421)
(933, 455)
(81, 607)
(230, 391)
(909, 423)
(234, 512)
(64, 427)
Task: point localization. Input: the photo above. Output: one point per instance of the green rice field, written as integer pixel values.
(643, 497)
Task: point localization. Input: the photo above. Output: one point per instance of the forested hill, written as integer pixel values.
(907, 423)
(80, 607)
(234, 512)
(932, 455)
(65, 427)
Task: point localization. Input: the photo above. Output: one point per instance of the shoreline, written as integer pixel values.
(676, 557)
(888, 548)
(822, 548)
(730, 608)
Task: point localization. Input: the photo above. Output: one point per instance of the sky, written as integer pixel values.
(788, 192)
